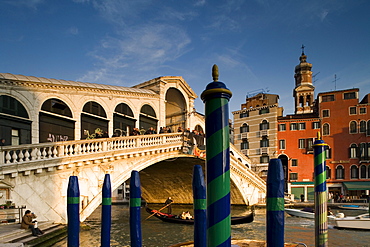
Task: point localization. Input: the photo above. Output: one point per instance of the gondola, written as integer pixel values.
(171, 218)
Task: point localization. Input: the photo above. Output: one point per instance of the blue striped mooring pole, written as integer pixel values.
(321, 210)
(200, 207)
(73, 212)
(106, 213)
(275, 204)
(216, 99)
(135, 215)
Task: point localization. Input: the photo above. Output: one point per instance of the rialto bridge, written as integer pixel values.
(51, 130)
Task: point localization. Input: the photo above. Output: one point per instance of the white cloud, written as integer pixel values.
(72, 30)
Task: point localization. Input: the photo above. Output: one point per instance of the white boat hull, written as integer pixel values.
(303, 214)
(358, 222)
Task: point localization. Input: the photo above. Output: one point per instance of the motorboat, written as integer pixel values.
(307, 213)
(360, 222)
(354, 207)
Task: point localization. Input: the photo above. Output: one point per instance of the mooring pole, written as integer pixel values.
(200, 207)
(106, 213)
(321, 219)
(275, 204)
(73, 212)
(216, 99)
(135, 215)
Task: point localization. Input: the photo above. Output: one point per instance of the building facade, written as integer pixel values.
(255, 130)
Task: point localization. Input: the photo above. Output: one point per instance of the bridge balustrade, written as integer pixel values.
(50, 150)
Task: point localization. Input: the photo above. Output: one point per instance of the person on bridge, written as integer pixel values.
(27, 223)
(168, 203)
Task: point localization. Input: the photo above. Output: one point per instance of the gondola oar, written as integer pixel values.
(158, 211)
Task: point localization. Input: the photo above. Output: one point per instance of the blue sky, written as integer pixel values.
(255, 43)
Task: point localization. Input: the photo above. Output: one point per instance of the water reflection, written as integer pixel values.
(157, 233)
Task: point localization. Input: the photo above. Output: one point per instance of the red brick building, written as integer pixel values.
(344, 122)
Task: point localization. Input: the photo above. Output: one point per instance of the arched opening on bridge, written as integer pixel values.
(123, 120)
(15, 125)
(284, 162)
(148, 118)
(173, 177)
(55, 122)
(93, 120)
(175, 109)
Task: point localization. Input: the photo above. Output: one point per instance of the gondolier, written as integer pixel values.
(168, 203)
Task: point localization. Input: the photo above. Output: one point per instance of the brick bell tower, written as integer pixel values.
(303, 92)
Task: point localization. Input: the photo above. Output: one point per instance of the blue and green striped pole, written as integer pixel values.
(73, 212)
(106, 213)
(321, 219)
(200, 207)
(216, 98)
(135, 215)
(275, 204)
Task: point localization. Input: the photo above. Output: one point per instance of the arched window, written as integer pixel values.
(353, 127)
(368, 128)
(264, 125)
(353, 151)
(244, 128)
(325, 129)
(328, 172)
(264, 142)
(363, 171)
(339, 172)
(362, 126)
(354, 172)
(363, 150)
(244, 145)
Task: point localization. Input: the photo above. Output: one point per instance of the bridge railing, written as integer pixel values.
(50, 150)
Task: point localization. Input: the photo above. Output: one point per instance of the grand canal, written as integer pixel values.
(159, 234)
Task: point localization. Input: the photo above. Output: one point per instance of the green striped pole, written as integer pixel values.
(216, 98)
(106, 212)
(321, 214)
(73, 212)
(200, 207)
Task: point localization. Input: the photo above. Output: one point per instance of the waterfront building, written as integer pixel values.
(255, 129)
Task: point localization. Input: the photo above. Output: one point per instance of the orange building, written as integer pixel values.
(345, 126)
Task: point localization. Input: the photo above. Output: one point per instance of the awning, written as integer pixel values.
(357, 185)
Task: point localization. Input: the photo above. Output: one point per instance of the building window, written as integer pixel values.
(264, 142)
(15, 137)
(362, 126)
(352, 110)
(362, 110)
(325, 129)
(353, 127)
(282, 144)
(310, 143)
(368, 128)
(351, 95)
(244, 114)
(302, 143)
(244, 128)
(363, 171)
(264, 125)
(339, 172)
(327, 98)
(327, 152)
(264, 110)
(294, 162)
(264, 159)
(363, 151)
(316, 125)
(353, 151)
(282, 127)
(302, 126)
(354, 172)
(244, 145)
(293, 176)
(328, 172)
(293, 126)
(325, 113)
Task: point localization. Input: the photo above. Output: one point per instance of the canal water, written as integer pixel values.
(160, 234)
